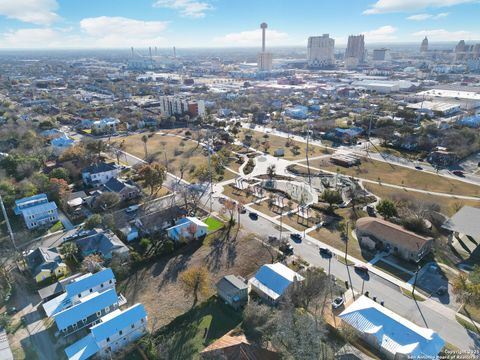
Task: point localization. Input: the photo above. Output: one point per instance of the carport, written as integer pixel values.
(465, 222)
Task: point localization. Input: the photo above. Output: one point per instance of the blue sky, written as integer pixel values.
(218, 23)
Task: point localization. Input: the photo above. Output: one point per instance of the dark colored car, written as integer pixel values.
(326, 252)
(286, 248)
(418, 167)
(458, 173)
(253, 216)
(296, 237)
(12, 310)
(371, 211)
(361, 268)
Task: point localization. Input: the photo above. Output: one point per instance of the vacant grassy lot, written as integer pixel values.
(169, 151)
(277, 142)
(156, 285)
(399, 175)
(448, 206)
(191, 332)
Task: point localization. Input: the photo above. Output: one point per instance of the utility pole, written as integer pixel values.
(308, 162)
(210, 170)
(10, 232)
(346, 260)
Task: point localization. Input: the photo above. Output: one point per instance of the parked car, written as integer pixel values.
(326, 252)
(253, 216)
(132, 209)
(418, 167)
(458, 173)
(286, 248)
(296, 237)
(337, 302)
(361, 268)
(371, 211)
(12, 310)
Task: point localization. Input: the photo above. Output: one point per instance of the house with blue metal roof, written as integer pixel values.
(272, 281)
(394, 336)
(79, 288)
(113, 333)
(37, 211)
(87, 311)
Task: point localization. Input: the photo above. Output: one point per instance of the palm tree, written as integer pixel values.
(70, 250)
(145, 140)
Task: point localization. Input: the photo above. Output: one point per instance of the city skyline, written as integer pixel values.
(219, 23)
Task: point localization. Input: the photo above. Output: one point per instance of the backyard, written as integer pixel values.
(191, 332)
(156, 285)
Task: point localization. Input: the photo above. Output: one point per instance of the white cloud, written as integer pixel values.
(187, 8)
(388, 6)
(421, 17)
(382, 34)
(252, 38)
(40, 12)
(100, 32)
(445, 35)
(110, 32)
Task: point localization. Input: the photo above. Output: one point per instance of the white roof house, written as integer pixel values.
(272, 280)
(395, 336)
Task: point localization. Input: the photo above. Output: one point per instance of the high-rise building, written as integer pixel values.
(264, 59)
(424, 46)
(464, 52)
(380, 54)
(320, 51)
(175, 105)
(355, 53)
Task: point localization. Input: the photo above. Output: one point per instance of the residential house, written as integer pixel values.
(79, 287)
(37, 211)
(232, 346)
(233, 290)
(297, 112)
(61, 143)
(106, 125)
(394, 336)
(113, 333)
(86, 311)
(104, 243)
(272, 281)
(126, 189)
(44, 263)
(382, 235)
(100, 173)
(188, 228)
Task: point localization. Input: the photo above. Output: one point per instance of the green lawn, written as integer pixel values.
(191, 332)
(56, 227)
(213, 224)
(392, 270)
